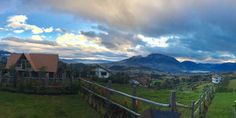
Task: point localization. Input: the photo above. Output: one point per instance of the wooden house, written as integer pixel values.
(32, 65)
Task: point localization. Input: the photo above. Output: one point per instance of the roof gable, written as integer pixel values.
(12, 60)
(37, 61)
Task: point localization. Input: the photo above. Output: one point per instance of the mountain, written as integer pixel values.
(155, 61)
(166, 63)
(3, 56)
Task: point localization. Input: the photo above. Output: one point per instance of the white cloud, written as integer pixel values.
(18, 31)
(19, 22)
(82, 42)
(48, 30)
(154, 42)
(2, 29)
(17, 19)
(59, 30)
(37, 37)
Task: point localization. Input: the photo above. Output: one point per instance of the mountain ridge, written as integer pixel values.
(166, 63)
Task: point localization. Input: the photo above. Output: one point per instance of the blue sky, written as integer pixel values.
(201, 31)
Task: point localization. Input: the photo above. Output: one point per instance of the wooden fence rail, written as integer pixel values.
(198, 108)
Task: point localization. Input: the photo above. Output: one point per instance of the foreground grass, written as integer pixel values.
(15, 105)
(221, 106)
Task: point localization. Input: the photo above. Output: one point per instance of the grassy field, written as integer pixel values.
(162, 96)
(232, 84)
(15, 105)
(184, 97)
(221, 106)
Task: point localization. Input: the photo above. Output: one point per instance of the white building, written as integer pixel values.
(100, 72)
(216, 79)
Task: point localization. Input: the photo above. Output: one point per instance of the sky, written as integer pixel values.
(196, 30)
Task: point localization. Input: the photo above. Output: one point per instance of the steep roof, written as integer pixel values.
(37, 61)
(12, 60)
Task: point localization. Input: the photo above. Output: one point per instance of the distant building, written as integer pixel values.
(132, 81)
(100, 72)
(216, 79)
(30, 65)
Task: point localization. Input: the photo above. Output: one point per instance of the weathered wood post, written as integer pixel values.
(63, 78)
(234, 108)
(79, 85)
(134, 108)
(192, 108)
(109, 85)
(1, 76)
(15, 78)
(47, 83)
(200, 105)
(173, 100)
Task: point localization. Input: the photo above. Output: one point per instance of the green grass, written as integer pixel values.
(16, 105)
(232, 84)
(162, 95)
(221, 106)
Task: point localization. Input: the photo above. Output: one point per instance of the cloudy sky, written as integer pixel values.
(198, 30)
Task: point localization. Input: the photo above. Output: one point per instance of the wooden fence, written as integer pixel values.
(49, 86)
(197, 109)
(200, 107)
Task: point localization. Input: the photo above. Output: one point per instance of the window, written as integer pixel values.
(51, 75)
(103, 73)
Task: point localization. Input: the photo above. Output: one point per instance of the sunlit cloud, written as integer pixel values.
(154, 42)
(37, 37)
(19, 22)
(18, 31)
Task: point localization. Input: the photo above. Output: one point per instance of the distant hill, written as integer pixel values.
(3, 56)
(155, 61)
(166, 63)
(85, 61)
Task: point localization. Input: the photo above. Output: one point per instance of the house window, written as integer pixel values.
(103, 73)
(51, 75)
(35, 74)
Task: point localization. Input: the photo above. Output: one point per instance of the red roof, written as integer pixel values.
(37, 61)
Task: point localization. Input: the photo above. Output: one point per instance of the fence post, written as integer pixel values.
(109, 86)
(173, 100)
(234, 108)
(200, 105)
(192, 114)
(134, 100)
(63, 78)
(1, 76)
(79, 84)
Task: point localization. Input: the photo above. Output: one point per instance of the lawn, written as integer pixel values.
(16, 105)
(232, 84)
(221, 106)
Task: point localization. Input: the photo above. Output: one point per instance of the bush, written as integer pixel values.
(120, 78)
